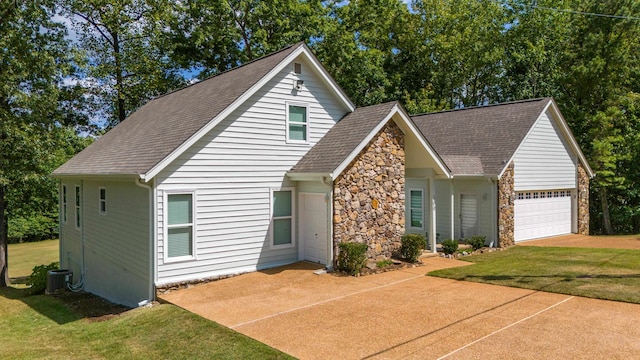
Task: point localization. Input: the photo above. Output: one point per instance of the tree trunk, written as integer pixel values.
(122, 112)
(606, 220)
(4, 241)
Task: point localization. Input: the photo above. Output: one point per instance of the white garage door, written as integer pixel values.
(542, 213)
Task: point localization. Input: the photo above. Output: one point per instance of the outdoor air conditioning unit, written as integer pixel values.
(58, 279)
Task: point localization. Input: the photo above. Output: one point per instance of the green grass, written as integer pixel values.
(23, 257)
(611, 274)
(44, 327)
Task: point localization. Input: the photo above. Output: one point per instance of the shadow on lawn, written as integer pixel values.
(65, 307)
(559, 277)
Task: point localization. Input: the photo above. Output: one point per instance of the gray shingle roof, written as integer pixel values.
(159, 127)
(342, 139)
(480, 140)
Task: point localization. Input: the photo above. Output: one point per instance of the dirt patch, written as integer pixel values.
(90, 307)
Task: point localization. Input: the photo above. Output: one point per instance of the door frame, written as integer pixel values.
(301, 224)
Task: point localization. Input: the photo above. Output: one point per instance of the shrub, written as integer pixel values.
(476, 242)
(38, 278)
(412, 246)
(449, 246)
(352, 257)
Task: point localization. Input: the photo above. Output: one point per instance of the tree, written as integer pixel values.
(214, 36)
(602, 68)
(33, 59)
(127, 54)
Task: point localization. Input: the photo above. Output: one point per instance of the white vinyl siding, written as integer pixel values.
(117, 246)
(233, 168)
(543, 161)
(283, 222)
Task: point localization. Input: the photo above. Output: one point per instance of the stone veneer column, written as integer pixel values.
(506, 208)
(368, 197)
(583, 201)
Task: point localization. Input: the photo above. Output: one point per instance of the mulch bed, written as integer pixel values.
(90, 307)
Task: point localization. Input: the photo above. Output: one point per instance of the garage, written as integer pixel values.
(542, 213)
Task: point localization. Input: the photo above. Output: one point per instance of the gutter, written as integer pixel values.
(152, 295)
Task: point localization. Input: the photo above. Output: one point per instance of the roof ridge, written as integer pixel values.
(483, 106)
(228, 70)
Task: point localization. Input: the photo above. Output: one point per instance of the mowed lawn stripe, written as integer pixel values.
(610, 274)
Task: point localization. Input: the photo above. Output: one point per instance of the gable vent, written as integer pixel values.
(297, 68)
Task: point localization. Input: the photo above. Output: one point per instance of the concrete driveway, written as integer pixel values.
(407, 315)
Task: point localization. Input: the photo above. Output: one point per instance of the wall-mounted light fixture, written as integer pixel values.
(298, 84)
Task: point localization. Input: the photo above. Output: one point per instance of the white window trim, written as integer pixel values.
(65, 194)
(286, 110)
(293, 218)
(165, 226)
(77, 202)
(421, 208)
(100, 200)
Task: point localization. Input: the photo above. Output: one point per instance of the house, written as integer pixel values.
(271, 163)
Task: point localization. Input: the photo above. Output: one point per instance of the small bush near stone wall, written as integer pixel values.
(352, 257)
(412, 246)
(38, 278)
(476, 242)
(449, 246)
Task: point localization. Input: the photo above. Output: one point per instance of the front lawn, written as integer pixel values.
(611, 274)
(23, 257)
(43, 327)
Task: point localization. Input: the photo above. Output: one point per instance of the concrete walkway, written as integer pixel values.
(586, 241)
(407, 315)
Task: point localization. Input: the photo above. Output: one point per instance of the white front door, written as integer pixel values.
(313, 227)
(468, 215)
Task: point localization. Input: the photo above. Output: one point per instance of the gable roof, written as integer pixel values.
(478, 141)
(344, 141)
(163, 128)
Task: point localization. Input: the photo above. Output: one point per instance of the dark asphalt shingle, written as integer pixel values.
(342, 139)
(480, 140)
(159, 127)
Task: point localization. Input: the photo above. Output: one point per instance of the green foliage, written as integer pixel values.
(449, 246)
(411, 247)
(351, 257)
(38, 278)
(476, 241)
(33, 228)
(384, 263)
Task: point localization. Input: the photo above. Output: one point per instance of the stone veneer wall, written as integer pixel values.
(506, 208)
(583, 201)
(368, 197)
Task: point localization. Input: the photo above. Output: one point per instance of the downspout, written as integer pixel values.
(327, 181)
(152, 294)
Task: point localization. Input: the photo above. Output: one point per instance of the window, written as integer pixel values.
(78, 207)
(549, 194)
(536, 195)
(297, 125)
(297, 68)
(102, 202)
(527, 195)
(180, 226)
(520, 196)
(282, 224)
(416, 208)
(64, 204)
